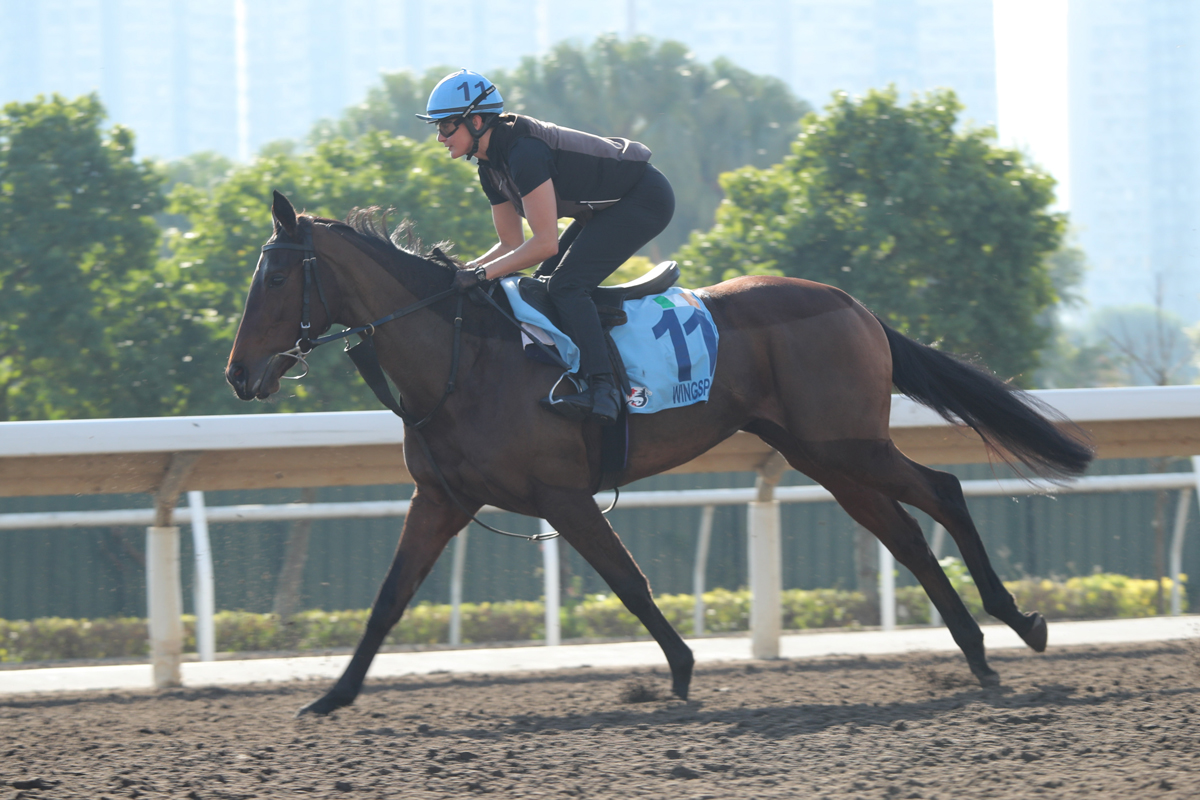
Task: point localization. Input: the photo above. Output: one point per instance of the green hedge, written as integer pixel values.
(1099, 596)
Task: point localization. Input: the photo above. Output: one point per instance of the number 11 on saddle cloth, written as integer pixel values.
(668, 344)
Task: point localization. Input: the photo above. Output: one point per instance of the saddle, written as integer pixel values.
(614, 448)
(608, 299)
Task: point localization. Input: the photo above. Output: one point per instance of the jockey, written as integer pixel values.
(542, 172)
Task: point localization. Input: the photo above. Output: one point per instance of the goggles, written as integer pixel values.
(447, 127)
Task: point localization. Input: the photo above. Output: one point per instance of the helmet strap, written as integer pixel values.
(476, 135)
(483, 128)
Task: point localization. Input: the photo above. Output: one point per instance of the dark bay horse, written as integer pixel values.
(802, 365)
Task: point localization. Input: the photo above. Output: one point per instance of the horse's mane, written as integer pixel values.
(398, 251)
(423, 272)
(371, 222)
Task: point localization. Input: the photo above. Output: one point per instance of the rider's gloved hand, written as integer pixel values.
(467, 278)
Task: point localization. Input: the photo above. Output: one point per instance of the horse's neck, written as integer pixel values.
(414, 350)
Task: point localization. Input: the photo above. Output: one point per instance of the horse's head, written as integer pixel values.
(290, 301)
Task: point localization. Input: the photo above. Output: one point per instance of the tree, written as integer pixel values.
(940, 231)
(700, 120)
(1151, 344)
(1071, 357)
(77, 241)
(212, 261)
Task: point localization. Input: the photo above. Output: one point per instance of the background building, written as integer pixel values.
(1135, 149)
(232, 75)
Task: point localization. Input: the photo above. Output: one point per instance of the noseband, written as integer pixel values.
(305, 344)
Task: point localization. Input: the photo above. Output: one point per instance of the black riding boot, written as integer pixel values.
(606, 398)
(601, 400)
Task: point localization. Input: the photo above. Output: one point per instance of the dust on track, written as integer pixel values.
(1093, 722)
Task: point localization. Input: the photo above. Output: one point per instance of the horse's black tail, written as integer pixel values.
(1008, 420)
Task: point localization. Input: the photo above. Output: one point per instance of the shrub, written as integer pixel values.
(52, 638)
(1098, 596)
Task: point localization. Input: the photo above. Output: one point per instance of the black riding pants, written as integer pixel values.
(590, 252)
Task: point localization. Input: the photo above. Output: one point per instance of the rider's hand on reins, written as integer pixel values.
(467, 279)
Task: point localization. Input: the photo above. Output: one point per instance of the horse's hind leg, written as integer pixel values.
(428, 527)
(939, 494)
(947, 505)
(575, 516)
(901, 534)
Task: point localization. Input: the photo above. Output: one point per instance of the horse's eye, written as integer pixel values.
(276, 279)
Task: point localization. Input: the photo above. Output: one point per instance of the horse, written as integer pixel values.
(802, 365)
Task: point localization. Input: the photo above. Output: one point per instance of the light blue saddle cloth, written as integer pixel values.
(669, 346)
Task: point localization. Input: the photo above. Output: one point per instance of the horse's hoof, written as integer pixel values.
(988, 677)
(681, 677)
(321, 706)
(1037, 634)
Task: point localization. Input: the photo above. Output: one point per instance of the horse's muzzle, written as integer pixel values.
(237, 376)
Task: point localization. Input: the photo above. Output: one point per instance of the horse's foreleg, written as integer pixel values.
(575, 516)
(428, 527)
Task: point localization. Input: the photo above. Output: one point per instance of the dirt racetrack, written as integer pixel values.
(1077, 722)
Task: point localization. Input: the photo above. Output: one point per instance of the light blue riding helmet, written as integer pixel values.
(462, 93)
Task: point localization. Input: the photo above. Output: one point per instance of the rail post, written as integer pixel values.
(550, 568)
(203, 593)
(703, 538)
(456, 584)
(766, 569)
(887, 589)
(164, 590)
(1176, 565)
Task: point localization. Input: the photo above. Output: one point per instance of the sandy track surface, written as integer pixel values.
(1117, 721)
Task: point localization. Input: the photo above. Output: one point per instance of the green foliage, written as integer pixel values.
(54, 638)
(1100, 596)
(213, 260)
(77, 267)
(700, 120)
(938, 230)
(96, 325)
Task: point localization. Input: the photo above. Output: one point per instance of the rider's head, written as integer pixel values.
(466, 101)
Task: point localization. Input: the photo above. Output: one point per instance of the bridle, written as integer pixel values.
(366, 359)
(306, 343)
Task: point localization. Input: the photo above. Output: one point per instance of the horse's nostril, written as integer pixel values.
(236, 373)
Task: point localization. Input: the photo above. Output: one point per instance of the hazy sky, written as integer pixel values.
(1031, 82)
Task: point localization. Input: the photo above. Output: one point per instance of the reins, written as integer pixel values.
(366, 360)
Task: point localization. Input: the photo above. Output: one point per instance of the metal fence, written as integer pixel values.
(99, 571)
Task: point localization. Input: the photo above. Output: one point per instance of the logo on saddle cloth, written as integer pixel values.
(639, 396)
(668, 344)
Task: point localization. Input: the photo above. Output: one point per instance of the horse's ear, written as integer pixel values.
(284, 213)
